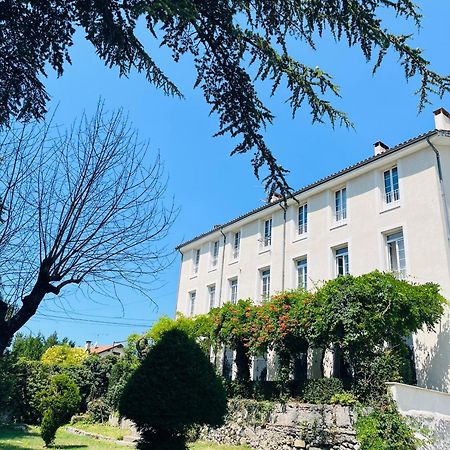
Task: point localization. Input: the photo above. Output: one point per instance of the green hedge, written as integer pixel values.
(317, 391)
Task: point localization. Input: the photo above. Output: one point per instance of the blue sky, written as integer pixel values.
(208, 185)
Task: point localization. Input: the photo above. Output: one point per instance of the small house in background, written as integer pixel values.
(115, 349)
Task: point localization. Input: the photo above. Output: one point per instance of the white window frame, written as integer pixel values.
(341, 259)
(266, 234)
(236, 245)
(215, 249)
(192, 302)
(302, 220)
(391, 192)
(395, 244)
(265, 283)
(212, 296)
(233, 287)
(340, 205)
(195, 261)
(301, 270)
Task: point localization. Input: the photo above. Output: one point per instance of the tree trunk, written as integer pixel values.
(30, 303)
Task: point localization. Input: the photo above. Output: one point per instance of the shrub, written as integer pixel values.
(58, 404)
(64, 355)
(372, 372)
(8, 387)
(49, 426)
(344, 399)
(322, 390)
(98, 410)
(385, 429)
(32, 378)
(174, 388)
(120, 374)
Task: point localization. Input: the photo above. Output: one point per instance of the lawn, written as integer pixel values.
(103, 429)
(16, 439)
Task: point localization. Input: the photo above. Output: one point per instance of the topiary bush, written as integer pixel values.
(58, 404)
(174, 388)
(49, 426)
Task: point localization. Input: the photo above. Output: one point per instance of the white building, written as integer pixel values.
(389, 212)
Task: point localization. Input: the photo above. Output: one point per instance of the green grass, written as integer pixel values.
(103, 429)
(14, 439)
(17, 439)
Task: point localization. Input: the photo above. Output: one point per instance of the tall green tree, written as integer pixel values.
(33, 347)
(232, 43)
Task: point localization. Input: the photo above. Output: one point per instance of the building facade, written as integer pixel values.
(389, 212)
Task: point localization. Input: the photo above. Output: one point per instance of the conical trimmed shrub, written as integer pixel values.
(174, 388)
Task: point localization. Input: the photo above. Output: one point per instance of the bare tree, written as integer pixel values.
(82, 206)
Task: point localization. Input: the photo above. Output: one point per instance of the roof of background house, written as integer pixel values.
(319, 182)
(104, 348)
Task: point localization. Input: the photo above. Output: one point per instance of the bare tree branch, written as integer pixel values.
(81, 207)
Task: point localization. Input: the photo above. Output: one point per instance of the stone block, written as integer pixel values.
(299, 443)
(343, 416)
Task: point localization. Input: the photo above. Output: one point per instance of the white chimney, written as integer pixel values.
(441, 119)
(379, 147)
(87, 347)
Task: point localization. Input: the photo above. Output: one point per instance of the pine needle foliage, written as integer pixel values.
(233, 44)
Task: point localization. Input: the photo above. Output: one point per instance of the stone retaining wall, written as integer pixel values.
(292, 426)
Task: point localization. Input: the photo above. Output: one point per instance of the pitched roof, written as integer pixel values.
(104, 348)
(308, 187)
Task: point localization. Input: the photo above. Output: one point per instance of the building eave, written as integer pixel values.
(327, 179)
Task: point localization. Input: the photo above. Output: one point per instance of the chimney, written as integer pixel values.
(379, 147)
(441, 119)
(87, 347)
(275, 197)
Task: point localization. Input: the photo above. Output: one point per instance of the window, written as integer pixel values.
(341, 256)
(192, 297)
(396, 253)
(265, 284)
(234, 290)
(212, 296)
(215, 254)
(340, 205)
(302, 273)
(267, 234)
(391, 191)
(196, 261)
(303, 219)
(236, 244)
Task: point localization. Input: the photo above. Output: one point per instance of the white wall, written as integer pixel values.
(419, 213)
